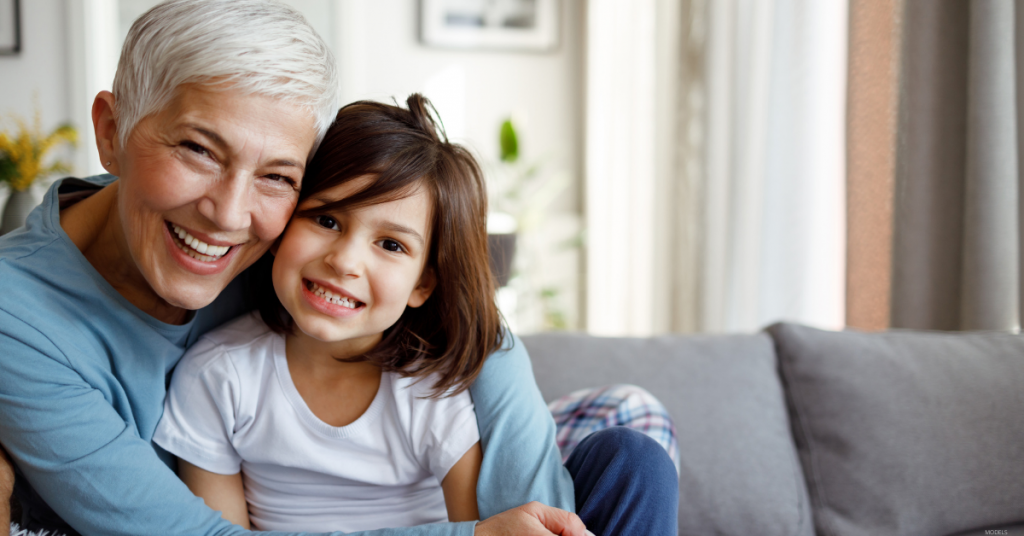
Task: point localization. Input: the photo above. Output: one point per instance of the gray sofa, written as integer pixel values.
(797, 431)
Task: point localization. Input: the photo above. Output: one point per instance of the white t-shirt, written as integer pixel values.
(232, 406)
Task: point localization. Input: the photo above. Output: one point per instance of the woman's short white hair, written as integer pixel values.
(257, 46)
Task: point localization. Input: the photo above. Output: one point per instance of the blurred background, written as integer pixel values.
(669, 165)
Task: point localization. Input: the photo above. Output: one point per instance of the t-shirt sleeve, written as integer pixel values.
(452, 430)
(201, 410)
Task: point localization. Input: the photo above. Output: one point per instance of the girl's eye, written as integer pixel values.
(327, 222)
(391, 245)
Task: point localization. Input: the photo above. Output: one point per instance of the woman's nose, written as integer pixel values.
(228, 203)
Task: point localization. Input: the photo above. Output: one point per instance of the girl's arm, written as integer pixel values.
(459, 486)
(223, 493)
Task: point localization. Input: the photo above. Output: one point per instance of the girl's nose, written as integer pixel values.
(345, 258)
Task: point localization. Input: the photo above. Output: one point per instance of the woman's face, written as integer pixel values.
(206, 186)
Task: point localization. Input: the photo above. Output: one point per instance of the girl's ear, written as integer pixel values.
(424, 288)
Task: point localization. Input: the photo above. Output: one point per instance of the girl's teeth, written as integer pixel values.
(331, 297)
(196, 248)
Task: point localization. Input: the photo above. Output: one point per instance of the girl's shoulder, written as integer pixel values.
(238, 344)
(240, 332)
(418, 395)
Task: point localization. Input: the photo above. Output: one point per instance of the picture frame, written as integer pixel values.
(10, 27)
(514, 25)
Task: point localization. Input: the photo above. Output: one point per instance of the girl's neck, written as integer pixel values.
(329, 355)
(336, 391)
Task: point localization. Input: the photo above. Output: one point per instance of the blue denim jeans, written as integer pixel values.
(625, 484)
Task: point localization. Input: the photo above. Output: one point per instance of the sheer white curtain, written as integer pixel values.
(715, 164)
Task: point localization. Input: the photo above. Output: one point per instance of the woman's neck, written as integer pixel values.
(338, 392)
(94, 226)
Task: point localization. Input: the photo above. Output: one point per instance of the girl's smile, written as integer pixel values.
(330, 300)
(346, 277)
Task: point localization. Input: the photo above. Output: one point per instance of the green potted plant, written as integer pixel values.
(23, 161)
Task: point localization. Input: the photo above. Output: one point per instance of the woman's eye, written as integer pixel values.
(327, 222)
(280, 178)
(391, 245)
(195, 148)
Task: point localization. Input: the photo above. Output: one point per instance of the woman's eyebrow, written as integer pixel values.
(218, 140)
(213, 136)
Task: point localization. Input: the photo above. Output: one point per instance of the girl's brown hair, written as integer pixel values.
(455, 330)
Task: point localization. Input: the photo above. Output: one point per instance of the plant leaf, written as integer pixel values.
(509, 142)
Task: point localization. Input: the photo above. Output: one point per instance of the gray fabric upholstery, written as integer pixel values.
(740, 473)
(911, 433)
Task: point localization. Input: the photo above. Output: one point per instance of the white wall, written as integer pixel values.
(41, 70)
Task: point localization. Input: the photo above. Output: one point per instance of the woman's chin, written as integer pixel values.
(189, 296)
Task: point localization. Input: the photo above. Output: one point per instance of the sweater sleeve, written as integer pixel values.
(517, 433)
(90, 465)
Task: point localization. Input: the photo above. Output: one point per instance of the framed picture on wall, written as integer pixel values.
(528, 25)
(10, 27)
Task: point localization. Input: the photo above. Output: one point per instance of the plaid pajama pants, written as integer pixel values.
(584, 412)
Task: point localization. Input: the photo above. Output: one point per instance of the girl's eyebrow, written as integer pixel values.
(386, 225)
(395, 227)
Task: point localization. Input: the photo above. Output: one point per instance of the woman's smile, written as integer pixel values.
(206, 251)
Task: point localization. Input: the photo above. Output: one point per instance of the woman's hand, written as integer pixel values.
(6, 490)
(532, 519)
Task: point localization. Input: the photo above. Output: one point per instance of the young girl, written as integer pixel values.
(343, 404)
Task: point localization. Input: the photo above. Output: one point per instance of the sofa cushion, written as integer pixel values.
(907, 432)
(739, 468)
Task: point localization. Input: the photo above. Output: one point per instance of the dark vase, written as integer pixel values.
(17, 208)
(502, 248)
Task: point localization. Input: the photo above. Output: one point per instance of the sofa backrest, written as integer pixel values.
(907, 432)
(740, 471)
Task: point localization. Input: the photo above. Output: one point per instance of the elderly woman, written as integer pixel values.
(217, 105)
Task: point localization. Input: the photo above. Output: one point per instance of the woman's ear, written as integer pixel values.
(424, 288)
(105, 127)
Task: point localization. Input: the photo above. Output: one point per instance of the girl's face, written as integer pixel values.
(348, 276)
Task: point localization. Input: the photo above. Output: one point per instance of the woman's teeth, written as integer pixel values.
(196, 248)
(331, 297)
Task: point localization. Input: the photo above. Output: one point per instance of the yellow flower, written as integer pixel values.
(22, 154)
